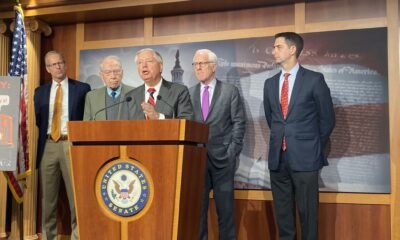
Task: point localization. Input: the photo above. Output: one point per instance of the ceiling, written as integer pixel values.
(56, 12)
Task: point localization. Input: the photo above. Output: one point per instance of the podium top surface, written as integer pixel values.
(175, 130)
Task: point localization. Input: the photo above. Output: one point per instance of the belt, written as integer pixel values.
(62, 138)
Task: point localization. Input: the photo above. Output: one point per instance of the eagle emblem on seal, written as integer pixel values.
(124, 192)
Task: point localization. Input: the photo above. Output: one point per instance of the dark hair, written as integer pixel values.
(291, 39)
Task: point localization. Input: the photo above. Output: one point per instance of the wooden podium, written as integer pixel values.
(138, 179)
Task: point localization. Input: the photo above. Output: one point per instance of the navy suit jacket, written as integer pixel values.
(308, 125)
(76, 102)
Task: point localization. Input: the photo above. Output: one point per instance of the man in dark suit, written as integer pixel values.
(56, 102)
(156, 98)
(299, 111)
(113, 92)
(219, 105)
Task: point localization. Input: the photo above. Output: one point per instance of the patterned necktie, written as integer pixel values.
(151, 99)
(205, 104)
(56, 121)
(285, 102)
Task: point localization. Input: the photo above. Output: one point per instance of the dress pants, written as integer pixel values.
(54, 165)
(221, 181)
(290, 189)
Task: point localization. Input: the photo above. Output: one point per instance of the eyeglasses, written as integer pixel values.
(109, 72)
(201, 64)
(61, 64)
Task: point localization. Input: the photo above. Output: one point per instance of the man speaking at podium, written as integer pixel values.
(219, 105)
(156, 98)
(104, 103)
(56, 103)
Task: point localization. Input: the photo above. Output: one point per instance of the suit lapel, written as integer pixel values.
(196, 101)
(139, 96)
(164, 93)
(71, 98)
(101, 99)
(122, 98)
(216, 94)
(275, 86)
(296, 89)
(46, 99)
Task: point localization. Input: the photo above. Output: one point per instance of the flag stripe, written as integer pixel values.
(18, 68)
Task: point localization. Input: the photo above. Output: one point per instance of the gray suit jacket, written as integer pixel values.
(96, 100)
(174, 94)
(226, 121)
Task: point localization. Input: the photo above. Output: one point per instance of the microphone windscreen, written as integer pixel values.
(159, 97)
(128, 99)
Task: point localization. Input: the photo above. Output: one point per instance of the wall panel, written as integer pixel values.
(114, 30)
(255, 220)
(222, 21)
(63, 40)
(323, 11)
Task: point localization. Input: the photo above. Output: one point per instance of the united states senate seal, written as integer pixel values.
(124, 188)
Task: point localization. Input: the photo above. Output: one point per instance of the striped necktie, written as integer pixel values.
(151, 99)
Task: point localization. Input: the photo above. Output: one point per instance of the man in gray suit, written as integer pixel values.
(112, 93)
(156, 98)
(219, 105)
(299, 111)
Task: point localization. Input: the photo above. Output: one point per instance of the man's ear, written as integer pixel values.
(293, 49)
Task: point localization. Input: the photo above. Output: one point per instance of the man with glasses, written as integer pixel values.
(219, 105)
(102, 103)
(56, 103)
(156, 98)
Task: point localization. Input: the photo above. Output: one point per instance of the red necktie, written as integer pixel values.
(151, 100)
(285, 102)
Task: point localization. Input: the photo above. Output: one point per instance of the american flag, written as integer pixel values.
(18, 68)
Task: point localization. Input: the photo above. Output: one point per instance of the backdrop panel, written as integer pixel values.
(354, 63)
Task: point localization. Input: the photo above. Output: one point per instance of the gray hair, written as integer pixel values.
(211, 55)
(53, 52)
(111, 57)
(156, 54)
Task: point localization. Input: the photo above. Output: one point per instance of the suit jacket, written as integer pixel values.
(309, 121)
(76, 101)
(174, 94)
(96, 100)
(226, 121)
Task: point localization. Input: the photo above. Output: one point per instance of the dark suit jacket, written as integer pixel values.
(96, 100)
(176, 95)
(76, 102)
(226, 121)
(310, 120)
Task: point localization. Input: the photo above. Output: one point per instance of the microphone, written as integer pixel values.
(127, 99)
(169, 105)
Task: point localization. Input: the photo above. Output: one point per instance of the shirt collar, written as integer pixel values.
(63, 82)
(156, 87)
(118, 91)
(211, 85)
(292, 72)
